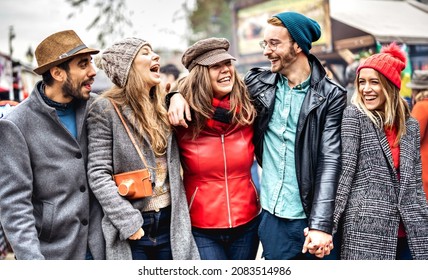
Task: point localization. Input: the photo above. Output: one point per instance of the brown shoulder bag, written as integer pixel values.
(133, 184)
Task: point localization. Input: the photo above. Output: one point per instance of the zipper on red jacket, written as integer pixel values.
(193, 198)
(226, 181)
(255, 190)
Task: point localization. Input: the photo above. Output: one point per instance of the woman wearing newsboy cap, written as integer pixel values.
(217, 153)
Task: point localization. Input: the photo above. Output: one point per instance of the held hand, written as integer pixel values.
(137, 235)
(178, 108)
(317, 243)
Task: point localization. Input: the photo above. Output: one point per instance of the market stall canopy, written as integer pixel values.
(386, 21)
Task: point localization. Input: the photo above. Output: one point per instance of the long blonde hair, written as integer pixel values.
(395, 112)
(197, 90)
(149, 115)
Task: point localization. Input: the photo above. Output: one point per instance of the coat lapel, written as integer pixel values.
(386, 149)
(81, 112)
(405, 146)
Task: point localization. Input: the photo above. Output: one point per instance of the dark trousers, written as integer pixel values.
(155, 244)
(403, 250)
(283, 239)
(240, 243)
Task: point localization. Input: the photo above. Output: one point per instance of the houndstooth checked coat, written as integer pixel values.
(370, 199)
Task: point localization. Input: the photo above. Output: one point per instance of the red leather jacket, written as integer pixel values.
(217, 176)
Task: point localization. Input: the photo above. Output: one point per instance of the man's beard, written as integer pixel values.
(69, 89)
(286, 60)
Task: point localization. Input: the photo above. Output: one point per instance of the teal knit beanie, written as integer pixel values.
(302, 29)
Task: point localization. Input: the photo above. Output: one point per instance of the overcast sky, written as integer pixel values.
(33, 20)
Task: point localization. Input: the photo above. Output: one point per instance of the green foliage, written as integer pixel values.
(211, 18)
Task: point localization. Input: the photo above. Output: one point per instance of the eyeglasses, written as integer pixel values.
(272, 44)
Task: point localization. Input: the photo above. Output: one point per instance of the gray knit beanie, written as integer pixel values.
(116, 60)
(206, 52)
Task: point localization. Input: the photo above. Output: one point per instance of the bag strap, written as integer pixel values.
(129, 133)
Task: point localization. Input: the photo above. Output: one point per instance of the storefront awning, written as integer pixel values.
(386, 21)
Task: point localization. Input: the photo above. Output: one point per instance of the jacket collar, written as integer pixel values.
(81, 107)
(317, 70)
(268, 77)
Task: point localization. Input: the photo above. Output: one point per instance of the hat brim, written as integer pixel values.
(416, 86)
(211, 60)
(45, 67)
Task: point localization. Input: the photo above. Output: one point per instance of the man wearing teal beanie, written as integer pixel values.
(301, 28)
(297, 141)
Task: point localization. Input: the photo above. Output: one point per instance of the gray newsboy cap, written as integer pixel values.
(206, 52)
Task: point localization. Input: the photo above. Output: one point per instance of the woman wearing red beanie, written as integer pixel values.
(381, 210)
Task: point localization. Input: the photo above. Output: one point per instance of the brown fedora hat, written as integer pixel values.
(419, 80)
(57, 48)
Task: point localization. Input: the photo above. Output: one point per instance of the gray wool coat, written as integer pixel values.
(371, 199)
(110, 152)
(46, 207)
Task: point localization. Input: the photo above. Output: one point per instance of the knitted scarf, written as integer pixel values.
(54, 104)
(221, 118)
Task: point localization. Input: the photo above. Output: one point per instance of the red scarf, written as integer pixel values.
(391, 135)
(221, 118)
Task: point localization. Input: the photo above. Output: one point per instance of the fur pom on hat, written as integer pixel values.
(389, 62)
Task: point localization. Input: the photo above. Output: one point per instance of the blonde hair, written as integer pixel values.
(395, 111)
(275, 21)
(421, 95)
(149, 116)
(197, 90)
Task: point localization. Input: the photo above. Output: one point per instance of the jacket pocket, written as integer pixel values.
(44, 216)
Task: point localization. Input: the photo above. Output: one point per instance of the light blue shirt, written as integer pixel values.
(280, 193)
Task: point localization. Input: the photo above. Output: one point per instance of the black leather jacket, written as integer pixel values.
(318, 146)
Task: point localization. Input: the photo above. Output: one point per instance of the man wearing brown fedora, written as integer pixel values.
(46, 207)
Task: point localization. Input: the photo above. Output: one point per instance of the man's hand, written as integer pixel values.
(317, 243)
(178, 108)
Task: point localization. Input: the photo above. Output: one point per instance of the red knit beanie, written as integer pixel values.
(390, 62)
